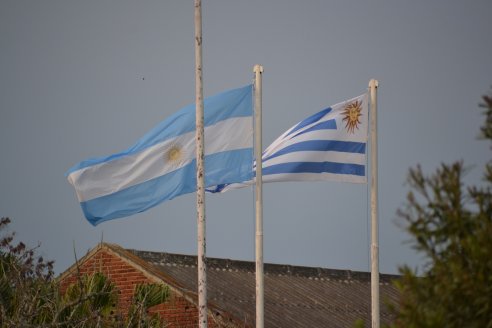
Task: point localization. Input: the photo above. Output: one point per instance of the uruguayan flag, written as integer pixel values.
(329, 145)
(162, 164)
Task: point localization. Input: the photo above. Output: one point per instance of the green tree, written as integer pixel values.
(26, 284)
(88, 302)
(451, 225)
(30, 297)
(146, 296)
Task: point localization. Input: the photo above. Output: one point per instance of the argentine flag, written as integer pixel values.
(162, 164)
(327, 146)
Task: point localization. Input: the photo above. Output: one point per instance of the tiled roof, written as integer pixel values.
(294, 296)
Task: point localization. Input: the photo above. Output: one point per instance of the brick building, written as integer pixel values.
(294, 296)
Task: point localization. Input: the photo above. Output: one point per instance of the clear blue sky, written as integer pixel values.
(80, 79)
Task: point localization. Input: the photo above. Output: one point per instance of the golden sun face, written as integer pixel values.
(351, 114)
(174, 154)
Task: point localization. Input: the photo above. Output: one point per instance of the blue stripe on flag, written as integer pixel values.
(321, 145)
(310, 120)
(148, 194)
(137, 198)
(238, 168)
(315, 167)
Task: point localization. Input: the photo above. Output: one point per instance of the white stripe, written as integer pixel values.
(239, 130)
(313, 177)
(109, 177)
(317, 156)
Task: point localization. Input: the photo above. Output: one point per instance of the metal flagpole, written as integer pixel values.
(373, 85)
(200, 171)
(260, 291)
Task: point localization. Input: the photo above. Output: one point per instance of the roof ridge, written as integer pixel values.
(165, 258)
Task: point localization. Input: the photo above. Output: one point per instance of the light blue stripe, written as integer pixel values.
(231, 166)
(315, 167)
(321, 145)
(228, 104)
(310, 120)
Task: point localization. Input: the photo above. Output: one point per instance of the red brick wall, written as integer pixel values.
(177, 312)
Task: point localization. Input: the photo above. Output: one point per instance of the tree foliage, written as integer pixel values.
(145, 296)
(26, 285)
(451, 225)
(30, 297)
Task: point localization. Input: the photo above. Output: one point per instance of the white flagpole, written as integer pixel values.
(373, 85)
(200, 171)
(260, 290)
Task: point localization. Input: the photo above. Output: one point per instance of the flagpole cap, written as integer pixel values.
(374, 83)
(258, 69)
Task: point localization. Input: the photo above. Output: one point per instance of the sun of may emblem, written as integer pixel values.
(351, 114)
(174, 154)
